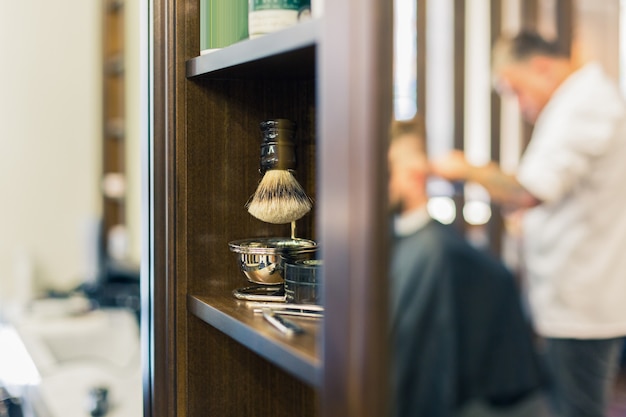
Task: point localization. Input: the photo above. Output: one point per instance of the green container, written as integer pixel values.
(268, 16)
(278, 4)
(222, 23)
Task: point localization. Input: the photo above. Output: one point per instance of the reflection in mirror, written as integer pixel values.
(69, 286)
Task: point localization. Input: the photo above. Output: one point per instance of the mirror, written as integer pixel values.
(69, 292)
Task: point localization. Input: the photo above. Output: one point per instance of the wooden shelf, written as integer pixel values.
(284, 60)
(296, 354)
(286, 54)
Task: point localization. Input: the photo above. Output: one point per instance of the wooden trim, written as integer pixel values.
(146, 261)
(530, 18)
(161, 376)
(355, 102)
(496, 102)
(147, 163)
(496, 225)
(459, 73)
(459, 97)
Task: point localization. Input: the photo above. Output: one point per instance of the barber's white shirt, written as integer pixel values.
(575, 241)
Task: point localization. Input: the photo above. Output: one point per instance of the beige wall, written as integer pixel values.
(50, 133)
(50, 138)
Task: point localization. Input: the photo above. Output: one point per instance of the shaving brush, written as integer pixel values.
(279, 198)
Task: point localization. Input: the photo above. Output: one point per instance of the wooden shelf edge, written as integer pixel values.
(296, 38)
(261, 340)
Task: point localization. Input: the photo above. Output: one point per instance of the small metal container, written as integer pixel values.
(303, 281)
(261, 259)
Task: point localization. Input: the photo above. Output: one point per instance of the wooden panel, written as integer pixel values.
(459, 99)
(114, 24)
(159, 315)
(115, 213)
(355, 56)
(530, 16)
(496, 223)
(459, 74)
(230, 380)
(223, 170)
(113, 156)
(114, 96)
(495, 102)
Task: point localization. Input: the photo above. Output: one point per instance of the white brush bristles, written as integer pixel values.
(279, 198)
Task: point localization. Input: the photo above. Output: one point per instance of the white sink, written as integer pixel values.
(75, 350)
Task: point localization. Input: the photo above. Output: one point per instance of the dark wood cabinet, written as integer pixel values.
(205, 352)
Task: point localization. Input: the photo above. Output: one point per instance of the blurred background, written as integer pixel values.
(70, 218)
(61, 141)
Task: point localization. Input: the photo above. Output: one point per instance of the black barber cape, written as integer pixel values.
(458, 329)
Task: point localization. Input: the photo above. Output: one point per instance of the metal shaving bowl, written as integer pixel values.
(261, 259)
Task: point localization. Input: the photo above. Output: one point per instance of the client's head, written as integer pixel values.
(408, 165)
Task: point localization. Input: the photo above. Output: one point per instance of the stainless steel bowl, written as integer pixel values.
(261, 259)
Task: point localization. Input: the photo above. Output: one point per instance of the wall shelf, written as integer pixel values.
(296, 354)
(286, 54)
(209, 353)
